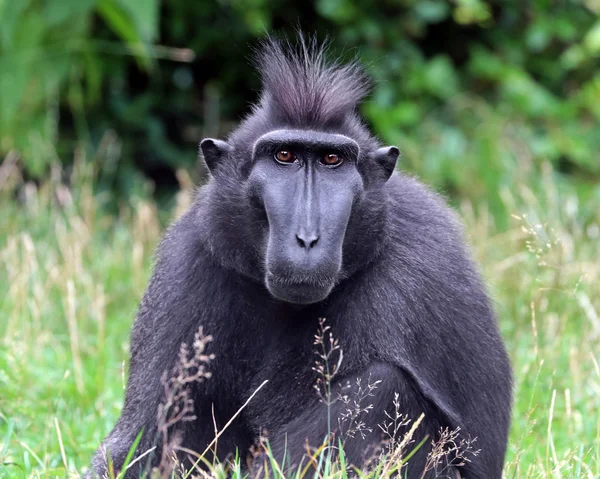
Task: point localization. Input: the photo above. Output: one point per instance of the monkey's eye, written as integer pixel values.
(285, 156)
(331, 159)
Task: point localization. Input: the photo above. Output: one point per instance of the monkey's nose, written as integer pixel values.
(307, 241)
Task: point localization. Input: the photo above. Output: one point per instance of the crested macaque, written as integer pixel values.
(305, 216)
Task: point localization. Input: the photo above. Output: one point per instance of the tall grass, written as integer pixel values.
(71, 276)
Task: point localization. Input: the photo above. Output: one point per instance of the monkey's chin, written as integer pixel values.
(297, 293)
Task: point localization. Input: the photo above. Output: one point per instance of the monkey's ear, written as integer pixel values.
(213, 152)
(387, 157)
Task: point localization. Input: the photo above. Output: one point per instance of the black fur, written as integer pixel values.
(300, 88)
(409, 307)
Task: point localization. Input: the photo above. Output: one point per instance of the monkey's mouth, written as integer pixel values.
(298, 292)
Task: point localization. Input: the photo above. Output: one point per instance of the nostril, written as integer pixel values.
(307, 243)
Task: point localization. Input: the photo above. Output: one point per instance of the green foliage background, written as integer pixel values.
(464, 87)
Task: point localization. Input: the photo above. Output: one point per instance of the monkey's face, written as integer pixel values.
(307, 183)
(306, 188)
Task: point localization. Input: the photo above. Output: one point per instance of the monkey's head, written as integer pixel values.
(299, 178)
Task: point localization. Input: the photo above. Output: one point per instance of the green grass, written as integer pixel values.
(71, 276)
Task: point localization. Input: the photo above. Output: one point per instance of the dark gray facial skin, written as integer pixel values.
(308, 204)
(305, 205)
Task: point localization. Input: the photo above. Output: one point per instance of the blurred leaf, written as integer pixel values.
(406, 113)
(60, 11)
(471, 11)
(432, 11)
(121, 21)
(538, 36)
(527, 96)
(339, 10)
(93, 76)
(145, 16)
(486, 65)
(573, 57)
(10, 13)
(440, 78)
(592, 39)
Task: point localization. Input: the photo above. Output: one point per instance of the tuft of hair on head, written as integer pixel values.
(301, 87)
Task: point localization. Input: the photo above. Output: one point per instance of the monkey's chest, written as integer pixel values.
(289, 385)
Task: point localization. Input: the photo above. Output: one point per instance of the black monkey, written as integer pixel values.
(304, 218)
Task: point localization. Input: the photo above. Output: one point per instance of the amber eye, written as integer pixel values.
(331, 159)
(285, 156)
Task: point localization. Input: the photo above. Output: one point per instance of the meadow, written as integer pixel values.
(72, 271)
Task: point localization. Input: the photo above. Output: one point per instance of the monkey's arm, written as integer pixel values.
(152, 353)
(167, 317)
(361, 442)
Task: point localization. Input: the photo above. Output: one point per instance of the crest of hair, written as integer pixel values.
(301, 87)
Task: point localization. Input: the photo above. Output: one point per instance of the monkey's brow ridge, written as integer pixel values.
(309, 138)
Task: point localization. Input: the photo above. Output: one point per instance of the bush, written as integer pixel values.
(463, 87)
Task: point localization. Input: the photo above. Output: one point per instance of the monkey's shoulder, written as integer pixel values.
(186, 278)
(426, 261)
(423, 232)
(415, 205)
